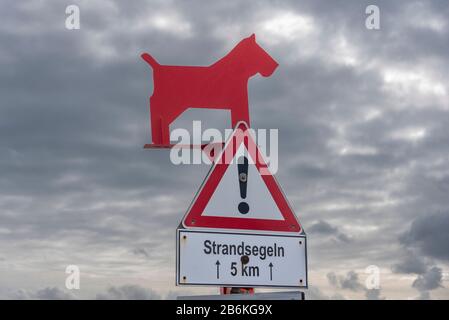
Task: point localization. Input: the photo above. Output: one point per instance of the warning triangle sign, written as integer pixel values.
(240, 193)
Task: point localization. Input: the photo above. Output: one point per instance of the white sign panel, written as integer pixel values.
(240, 260)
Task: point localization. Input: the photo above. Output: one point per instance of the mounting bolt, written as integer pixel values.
(184, 237)
(300, 281)
(300, 242)
(184, 278)
(193, 221)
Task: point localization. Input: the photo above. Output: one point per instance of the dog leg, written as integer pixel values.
(156, 131)
(165, 132)
(160, 134)
(156, 126)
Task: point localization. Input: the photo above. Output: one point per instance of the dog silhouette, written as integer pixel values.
(222, 85)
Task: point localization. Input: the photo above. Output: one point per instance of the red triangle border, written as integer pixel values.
(194, 219)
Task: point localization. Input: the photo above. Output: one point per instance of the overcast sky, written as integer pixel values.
(363, 141)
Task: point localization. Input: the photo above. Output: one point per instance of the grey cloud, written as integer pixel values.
(424, 295)
(349, 281)
(141, 251)
(430, 280)
(411, 263)
(48, 293)
(428, 233)
(332, 278)
(418, 242)
(373, 294)
(124, 292)
(314, 293)
(128, 292)
(75, 183)
(324, 228)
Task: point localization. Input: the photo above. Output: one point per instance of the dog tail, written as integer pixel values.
(150, 60)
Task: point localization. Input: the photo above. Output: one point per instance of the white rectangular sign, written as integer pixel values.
(240, 260)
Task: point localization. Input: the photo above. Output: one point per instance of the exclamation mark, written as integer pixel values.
(243, 179)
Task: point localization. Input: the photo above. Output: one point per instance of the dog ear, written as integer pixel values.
(253, 37)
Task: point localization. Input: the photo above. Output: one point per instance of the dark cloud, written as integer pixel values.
(429, 276)
(430, 280)
(411, 263)
(428, 233)
(324, 228)
(349, 281)
(422, 245)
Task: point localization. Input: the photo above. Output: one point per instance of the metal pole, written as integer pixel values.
(236, 290)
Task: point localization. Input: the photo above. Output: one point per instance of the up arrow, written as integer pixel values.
(271, 270)
(218, 269)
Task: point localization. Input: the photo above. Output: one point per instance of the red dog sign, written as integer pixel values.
(222, 85)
